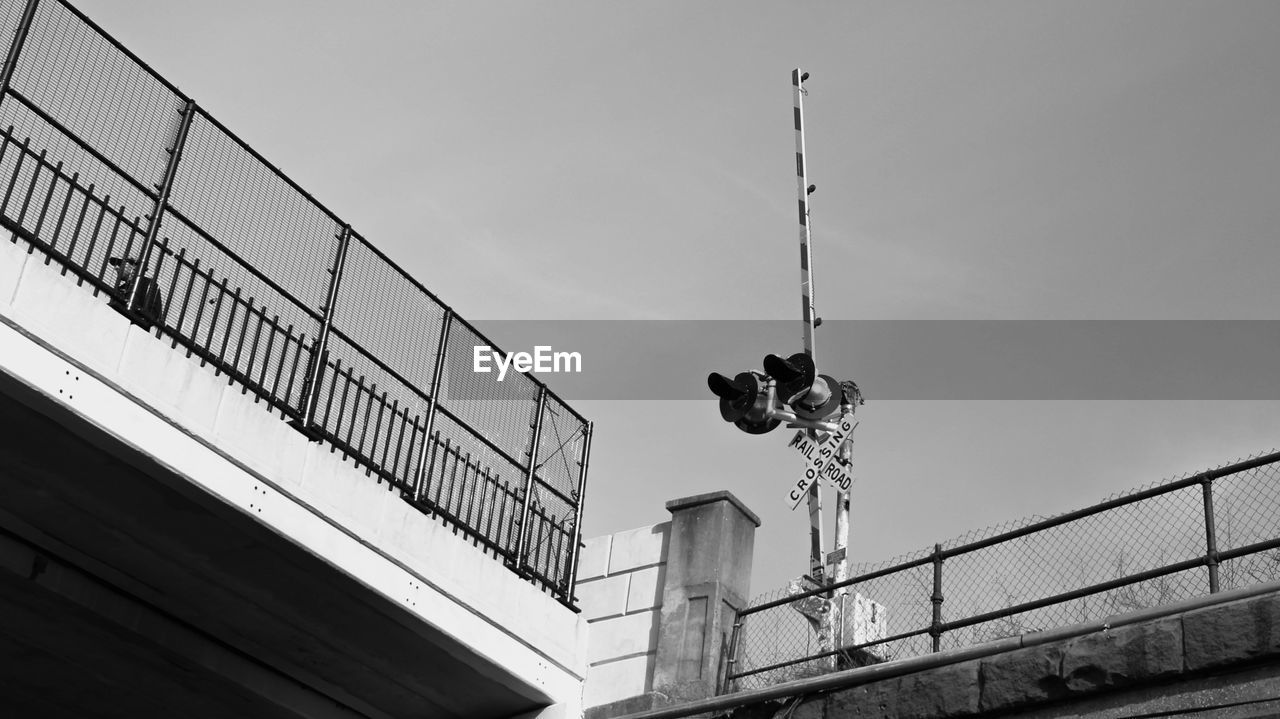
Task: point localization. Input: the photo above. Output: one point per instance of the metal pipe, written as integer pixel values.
(1210, 537)
(15, 48)
(577, 518)
(1118, 502)
(162, 200)
(522, 540)
(853, 580)
(866, 675)
(795, 421)
(1248, 549)
(437, 374)
(1075, 594)
(817, 553)
(733, 655)
(320, 351)
(832, 653)
(839, 558)
(935, 630)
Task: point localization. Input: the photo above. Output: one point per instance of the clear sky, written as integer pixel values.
(1024, 160)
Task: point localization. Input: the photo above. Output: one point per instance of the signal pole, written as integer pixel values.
(817, 555)
(791, 390)
(804, 190)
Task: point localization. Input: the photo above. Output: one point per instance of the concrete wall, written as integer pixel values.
(621, 577)
(57, 337)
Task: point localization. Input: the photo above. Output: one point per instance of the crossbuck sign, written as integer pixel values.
(823, 461)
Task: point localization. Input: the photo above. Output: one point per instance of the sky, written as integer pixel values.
(1021, 160)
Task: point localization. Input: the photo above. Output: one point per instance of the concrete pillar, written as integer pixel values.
(708, 579)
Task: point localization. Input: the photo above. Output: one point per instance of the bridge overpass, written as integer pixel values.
(169, 546)
(242, 481)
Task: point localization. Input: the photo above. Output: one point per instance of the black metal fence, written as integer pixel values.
(102, 158)
(1204, 533)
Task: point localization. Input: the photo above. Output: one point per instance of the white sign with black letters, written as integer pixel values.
(822, 461)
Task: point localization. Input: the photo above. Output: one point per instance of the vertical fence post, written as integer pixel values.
(19, 39)
(1210, 535)
(935, 630)
(523, 541)
(732, 662)
(577, 512)
(320, 348)
(162, 201)
(420, 479)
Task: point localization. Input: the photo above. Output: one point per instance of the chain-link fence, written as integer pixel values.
(1190, 536)
(103, 160)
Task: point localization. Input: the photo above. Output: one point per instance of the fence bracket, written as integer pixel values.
(188, 112)
(306, 422)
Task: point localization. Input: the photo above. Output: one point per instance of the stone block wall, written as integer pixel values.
(1223, 660)
(660, 602)
(620, 582)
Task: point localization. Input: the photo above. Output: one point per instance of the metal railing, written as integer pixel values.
(1204, 533)
(101, 158)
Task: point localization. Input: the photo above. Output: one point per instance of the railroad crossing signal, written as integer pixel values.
(746, 400)
(809, 394)
(791, 390)
(788, 390)
(823, 460)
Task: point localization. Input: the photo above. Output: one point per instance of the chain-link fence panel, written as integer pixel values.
(376, 425)
(111, 189)
(899, 605)
(234, 331)
(46, 202)
(1131, 597)
(243, 203)
(1246, 507)
(550, 534)
(447, 489)
(381, 357)
(1256, 568)
(387, 314)
(35, 184)
(772, 645)
(212, 294)
(499, 406)
(560, 449)
(471, 496)
(1132, 538)
(357, 390)
(880, 619)
(98, 92)
(10, 15)
(1139, 549)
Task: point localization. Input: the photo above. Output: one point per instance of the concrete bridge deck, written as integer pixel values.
(167, 546)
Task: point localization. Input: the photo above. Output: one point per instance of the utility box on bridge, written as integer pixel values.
(862, 620)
